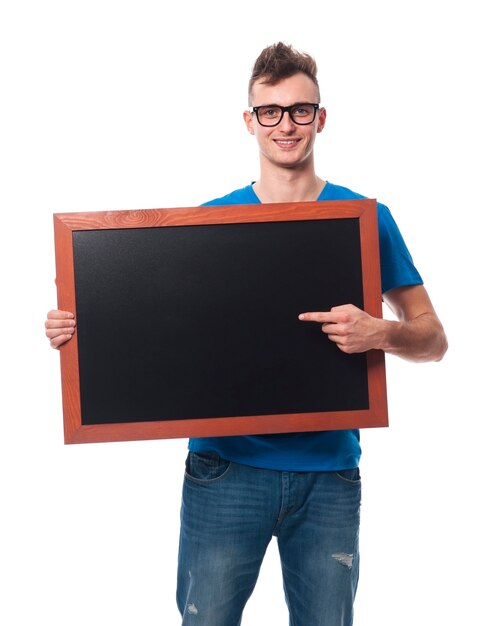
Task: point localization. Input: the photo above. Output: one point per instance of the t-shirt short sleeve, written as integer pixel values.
(396, 264)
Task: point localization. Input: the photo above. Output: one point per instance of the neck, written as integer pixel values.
(288, 185)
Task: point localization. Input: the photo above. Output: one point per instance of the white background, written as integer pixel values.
(129, 105)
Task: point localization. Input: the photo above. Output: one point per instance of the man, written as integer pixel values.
(304, 488)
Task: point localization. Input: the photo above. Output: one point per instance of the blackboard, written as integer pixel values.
(187, 320)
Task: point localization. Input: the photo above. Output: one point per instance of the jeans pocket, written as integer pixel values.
(205, 467)
(349, 475)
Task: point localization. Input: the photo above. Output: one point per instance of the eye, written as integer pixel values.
(269, 112)
(302, 110)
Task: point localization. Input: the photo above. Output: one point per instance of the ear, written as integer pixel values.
(248, 119)
(321, 119)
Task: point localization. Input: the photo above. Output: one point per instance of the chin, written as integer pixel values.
(292, 162)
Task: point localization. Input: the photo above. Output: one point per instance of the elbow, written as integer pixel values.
(440, 345)
(434, 348)
(443, 347)
(439, 342)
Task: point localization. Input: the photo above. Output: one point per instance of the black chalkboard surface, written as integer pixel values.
(187, 320)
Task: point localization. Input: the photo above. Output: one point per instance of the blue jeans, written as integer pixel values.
(230, 513)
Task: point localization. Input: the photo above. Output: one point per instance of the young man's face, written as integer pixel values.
(288, 144)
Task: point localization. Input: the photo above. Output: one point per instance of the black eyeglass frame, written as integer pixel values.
(288, 110)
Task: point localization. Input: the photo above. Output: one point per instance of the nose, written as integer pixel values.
(286, 123)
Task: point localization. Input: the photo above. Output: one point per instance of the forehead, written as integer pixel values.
(297, 88)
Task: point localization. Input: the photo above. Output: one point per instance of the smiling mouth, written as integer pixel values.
(286, 143)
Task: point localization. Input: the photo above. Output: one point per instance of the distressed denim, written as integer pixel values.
(229, 514)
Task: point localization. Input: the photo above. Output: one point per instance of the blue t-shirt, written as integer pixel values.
(325, 450)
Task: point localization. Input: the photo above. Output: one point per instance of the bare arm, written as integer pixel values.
(417, 335)
(60, 326)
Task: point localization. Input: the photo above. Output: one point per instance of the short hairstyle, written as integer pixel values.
(281, 61)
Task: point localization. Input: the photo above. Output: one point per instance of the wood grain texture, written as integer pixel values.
(150, 218)
(65, 284)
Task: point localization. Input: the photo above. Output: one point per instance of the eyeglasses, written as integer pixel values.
(302, 113)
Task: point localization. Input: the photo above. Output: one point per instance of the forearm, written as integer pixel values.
(421, 339)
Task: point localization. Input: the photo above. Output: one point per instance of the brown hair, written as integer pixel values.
(280, 61)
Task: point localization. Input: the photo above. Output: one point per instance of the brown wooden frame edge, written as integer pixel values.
(64, 225)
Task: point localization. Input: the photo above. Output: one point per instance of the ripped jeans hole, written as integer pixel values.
(192, 609)
(344, 559)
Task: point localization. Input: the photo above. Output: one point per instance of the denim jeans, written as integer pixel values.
(230, 513)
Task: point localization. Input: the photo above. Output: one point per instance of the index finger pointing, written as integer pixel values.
(317, 316)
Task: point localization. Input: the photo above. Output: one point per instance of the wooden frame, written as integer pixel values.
(76, 428)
